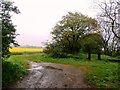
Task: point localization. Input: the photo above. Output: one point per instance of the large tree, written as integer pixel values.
(68, 31)
(8, 28)
(108, 19)
(92, 43)
(106, 33)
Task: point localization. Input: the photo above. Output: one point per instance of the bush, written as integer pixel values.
(11, 72)
(69, 55)
(58, 55)
(46, 51)
(55, 51)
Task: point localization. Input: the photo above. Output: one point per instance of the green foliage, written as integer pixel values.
(55, 50)
(8, 29)
(118, 57)
(11, 72)
(92, 42)
(58, 55)
(67, 32)
(13, 68)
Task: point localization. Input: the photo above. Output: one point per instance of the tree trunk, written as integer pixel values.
(89, 55)
(106, 51)
(99, 56)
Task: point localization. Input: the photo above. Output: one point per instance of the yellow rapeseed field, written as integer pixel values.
(26, 49)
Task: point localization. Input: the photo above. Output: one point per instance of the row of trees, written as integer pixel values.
(76, 33)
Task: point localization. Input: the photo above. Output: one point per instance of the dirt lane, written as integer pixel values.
(50, 75)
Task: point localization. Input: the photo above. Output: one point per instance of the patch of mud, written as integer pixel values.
(51, 75)
(50, 67)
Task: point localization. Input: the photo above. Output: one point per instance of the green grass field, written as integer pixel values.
(100, 73)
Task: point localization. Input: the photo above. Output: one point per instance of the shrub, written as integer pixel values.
(58, 55)
(69, 55)
(54, 50)
(11, 72)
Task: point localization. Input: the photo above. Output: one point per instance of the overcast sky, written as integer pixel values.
(38, 17)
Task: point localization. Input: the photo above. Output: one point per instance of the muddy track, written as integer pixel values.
(50, 75)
